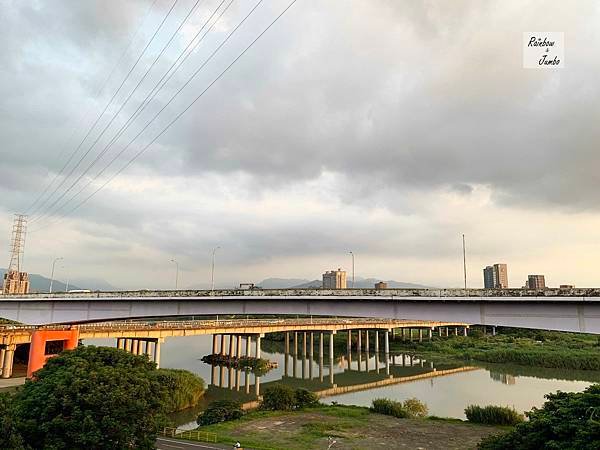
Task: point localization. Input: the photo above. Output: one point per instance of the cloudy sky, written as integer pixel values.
(388, 128)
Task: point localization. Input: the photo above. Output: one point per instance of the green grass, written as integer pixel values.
(524, 347)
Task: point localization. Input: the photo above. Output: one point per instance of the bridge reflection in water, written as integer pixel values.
(308, 366)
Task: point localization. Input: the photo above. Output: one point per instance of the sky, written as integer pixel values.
(385, 128)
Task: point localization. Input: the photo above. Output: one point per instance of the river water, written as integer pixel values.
(446, 388)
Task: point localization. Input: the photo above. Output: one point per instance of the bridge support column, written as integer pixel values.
(37, 349)
(455, 331)
(238, 347)
(214, 344)
(465, 331)
(331, 334)
(394, 334)
(238, 379)
(257, 353)
(420, 334)
(247, 382)
(222, 350)
(156, 352)
(404, 334)
(304, 345)
(359, 343)
(287, 342)
(321, 357)
(311, 351)
(367, 341)
(493, 331)
(230, 347)
(387, 342)
(376, 343)
(8, 359)
(134, 346)
(257, 386)
(248, 345)
(295, 355)
(120, 343)
(286, 357)
(2, 353)
(430, 334)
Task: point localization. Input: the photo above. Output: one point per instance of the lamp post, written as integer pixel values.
(212, 271)
(52, 275)
(352, 269)
(176, 273)
(464, 263)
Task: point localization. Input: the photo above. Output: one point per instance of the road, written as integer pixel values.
(174, 444)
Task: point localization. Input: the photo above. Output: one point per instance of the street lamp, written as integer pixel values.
(52, 276)
(176, 273)
(212, 272)
(352, 269)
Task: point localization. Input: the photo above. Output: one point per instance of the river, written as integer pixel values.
(446, 388)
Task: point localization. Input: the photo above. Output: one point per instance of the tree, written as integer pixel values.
(566, 421)
(220, 411)
(9, 434)
(92, 398)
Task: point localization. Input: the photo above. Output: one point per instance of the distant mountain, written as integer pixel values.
(299, 283)
(39, 283)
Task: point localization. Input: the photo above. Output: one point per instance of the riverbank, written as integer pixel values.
(352, 427)
(514, 346)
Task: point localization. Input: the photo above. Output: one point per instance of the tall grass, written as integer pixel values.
(493, 415)
(184, 388)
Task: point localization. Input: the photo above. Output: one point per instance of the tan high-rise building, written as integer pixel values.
(495, 277)
(334, 279)
(536, 282)
(15, 283)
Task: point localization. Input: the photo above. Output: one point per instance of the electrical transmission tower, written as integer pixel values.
(15, 281)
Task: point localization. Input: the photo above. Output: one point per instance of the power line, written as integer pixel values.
(100, 90)
(149, 97)
(178, 116)
(106, 108)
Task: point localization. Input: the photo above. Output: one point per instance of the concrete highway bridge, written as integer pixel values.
(146, 337)
(576, 310)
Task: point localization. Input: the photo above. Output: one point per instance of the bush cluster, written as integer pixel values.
(258, 366)
(410, 409)
(284, 398)
(220, 411)
(493, 415)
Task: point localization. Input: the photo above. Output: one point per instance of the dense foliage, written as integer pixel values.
(94, 397)
(184, 388)
(220, 411)
(493, 415)
(284, 398)
(525, 347)
(410, 409)
(566, 421)
(9, 433)
(258, 366)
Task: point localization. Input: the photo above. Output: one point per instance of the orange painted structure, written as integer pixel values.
(39, 338)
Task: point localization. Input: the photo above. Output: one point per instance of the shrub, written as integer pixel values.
(9, 434)
(220, 411)
(493, 415)
(184, 388)
(305, 399)
(410, 409)
(565, 421)
(278, 398)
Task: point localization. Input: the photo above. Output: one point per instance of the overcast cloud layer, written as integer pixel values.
(383, 127)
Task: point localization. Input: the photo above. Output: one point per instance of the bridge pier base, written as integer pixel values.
(37, 349)
(7, 360)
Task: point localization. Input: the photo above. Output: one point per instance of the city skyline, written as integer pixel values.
(291, 161)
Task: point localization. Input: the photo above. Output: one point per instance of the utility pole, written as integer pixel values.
(212, 272)
(464, 263)
(15, 281)
(352, 269)
(176, 273)
(52, 276)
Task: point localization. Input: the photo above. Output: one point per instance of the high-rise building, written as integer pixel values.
(334, 279)
(495, 277)
(535, 282)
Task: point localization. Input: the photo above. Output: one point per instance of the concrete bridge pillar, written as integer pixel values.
(331, 334)
(367, 341)
(321, 357)
(295, 355)
(359, 343)
(311, 356)
(403, 334)
(8, 359)
(376, 343)
(134, 346)
(420, 334)
(238, 379)
(248, 345)
(230, 347)
(349, 343)
(304, 346)
(286, 357)
(222, 350)
(430, 334)
(247, 382)
(465, 331)
(257, 353)
(213, 374)
(455, 331)
(394, 334)
(387, 342)
(257, 386)
(493, 331)
(120, 343)
(214, 344)
(238, 346)
(156, 352)
(2, 353)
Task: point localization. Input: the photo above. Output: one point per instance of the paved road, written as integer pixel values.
(174, 444)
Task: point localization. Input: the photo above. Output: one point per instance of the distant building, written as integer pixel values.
(334, 279)
(381, 285)
(567, 286)
(495, 277)
(535, 282)
(15, 283)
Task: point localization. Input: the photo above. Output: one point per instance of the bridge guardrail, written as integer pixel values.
(190, 435)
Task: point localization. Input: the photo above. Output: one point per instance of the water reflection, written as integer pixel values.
(353, 377)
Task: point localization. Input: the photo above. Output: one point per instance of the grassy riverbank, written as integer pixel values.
(352, 426)
(515, 346)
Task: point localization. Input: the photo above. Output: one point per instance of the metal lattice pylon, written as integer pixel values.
(17, 243)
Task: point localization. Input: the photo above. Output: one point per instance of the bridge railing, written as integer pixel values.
(190, 435)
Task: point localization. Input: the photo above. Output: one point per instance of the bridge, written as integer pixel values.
(575, 310)
(146, 337)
